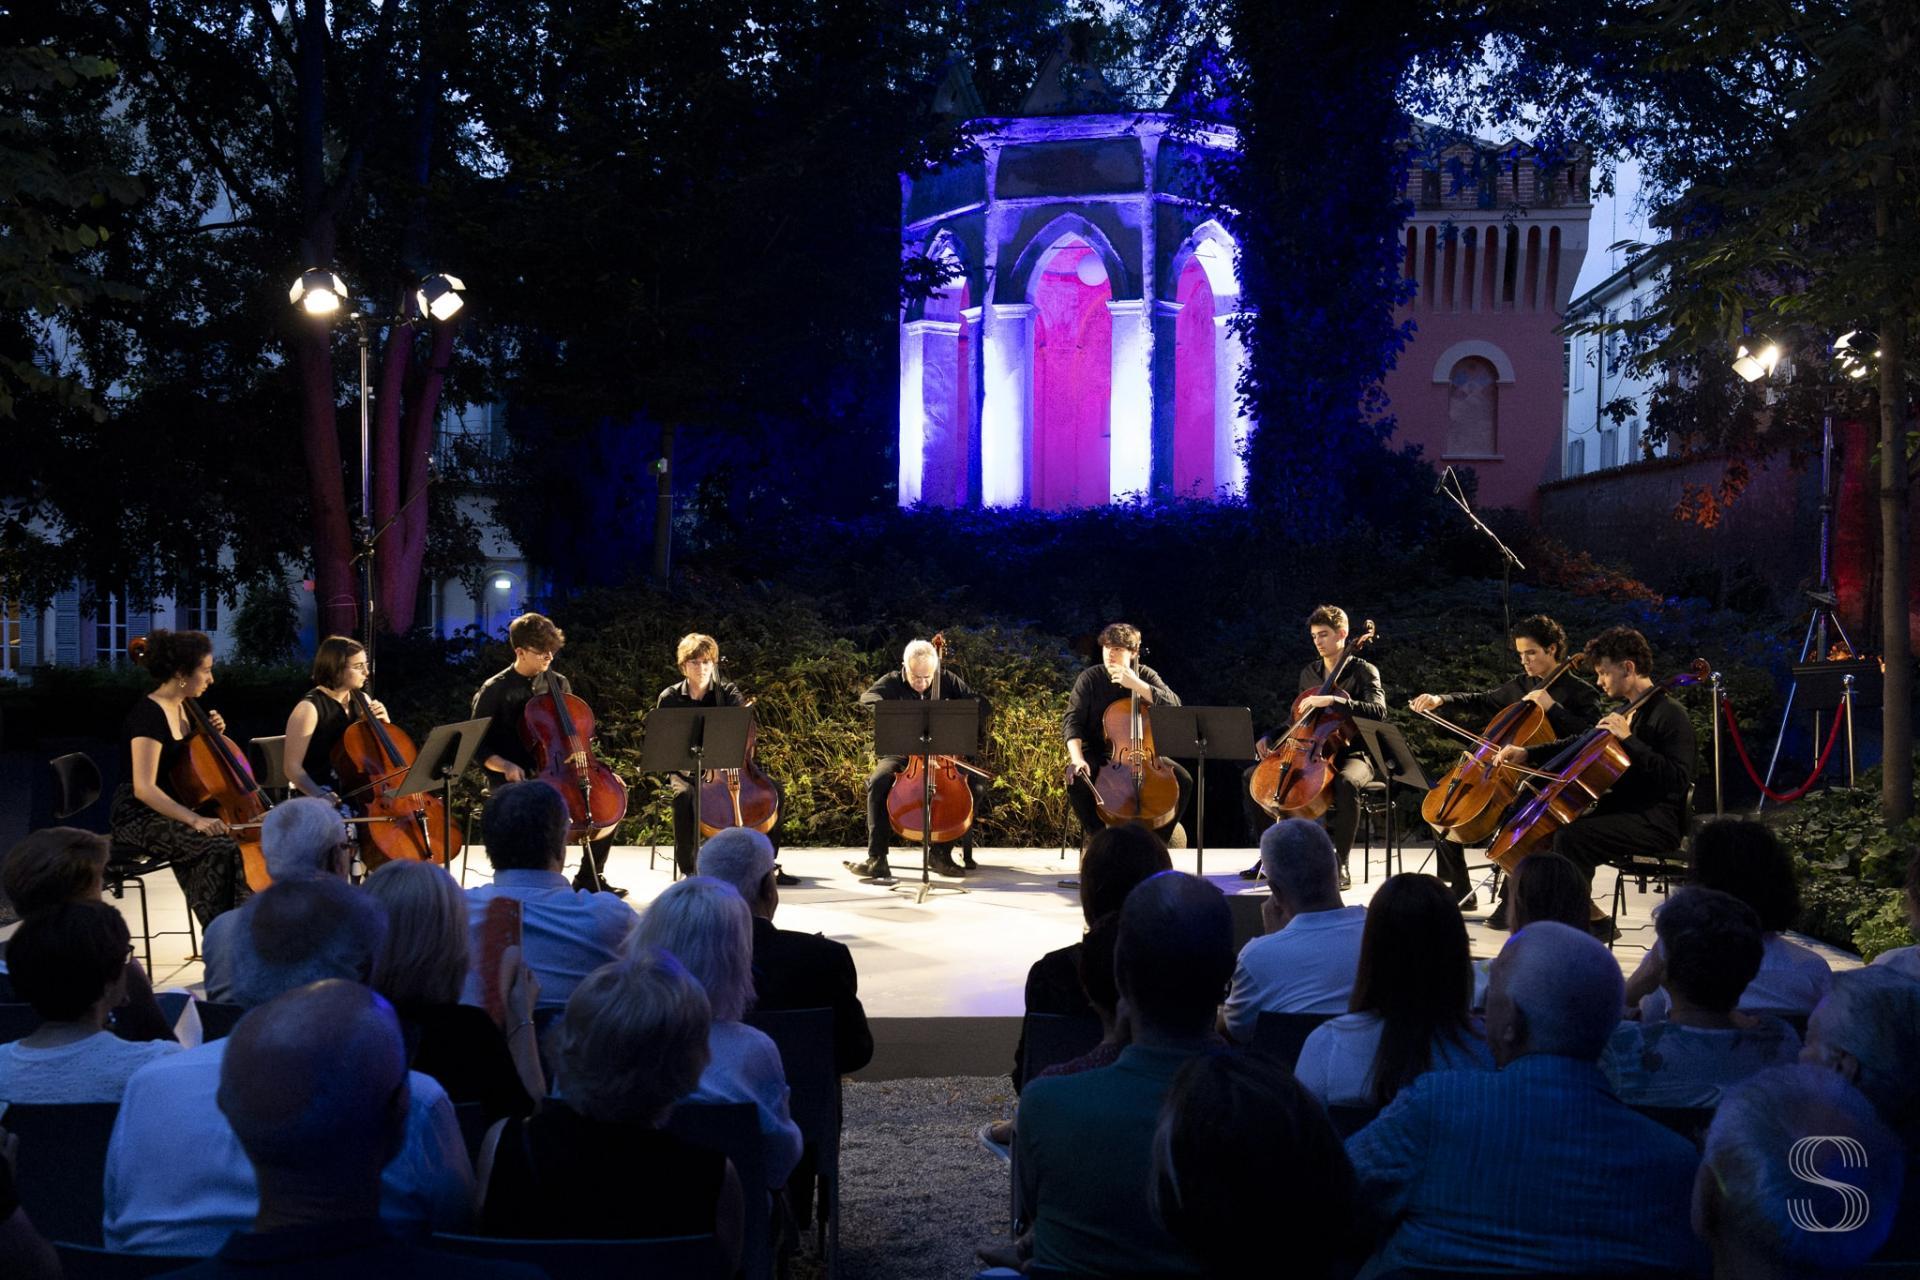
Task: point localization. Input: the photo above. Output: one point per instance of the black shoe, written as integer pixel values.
(871, 869)
(1346, 878)
(1252, 873)
(941, 863)
(1605, 930)
(1498, 920)
(782, 879)
(1470, 903)
(966, 860)
(602, 887)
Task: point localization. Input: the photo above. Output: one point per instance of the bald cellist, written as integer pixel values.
(1572, 706)
(1645, 812)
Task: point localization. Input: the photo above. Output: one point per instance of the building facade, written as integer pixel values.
(1598, 375)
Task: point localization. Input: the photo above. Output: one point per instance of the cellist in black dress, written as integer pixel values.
(1572, 706)
(146, 814)
(323, 714)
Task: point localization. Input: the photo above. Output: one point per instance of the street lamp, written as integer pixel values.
(322, 294)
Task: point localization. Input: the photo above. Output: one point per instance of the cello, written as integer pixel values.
(1467, 804)
(370, 761)
(1295, 779)
(213, 775)
(1135, 784)
(742, 797)
(557, 727)
(1575, 779)
(931, 793)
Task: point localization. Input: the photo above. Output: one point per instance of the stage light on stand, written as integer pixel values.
(440, 296)
(318, 292)
(1753, 364)
(1854, 351)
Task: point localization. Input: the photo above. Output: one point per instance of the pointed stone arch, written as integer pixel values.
(1041, 245)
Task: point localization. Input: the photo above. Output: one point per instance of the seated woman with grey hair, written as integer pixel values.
(704, 923)
(597, 1161)
(421, 967)
(1712, 942)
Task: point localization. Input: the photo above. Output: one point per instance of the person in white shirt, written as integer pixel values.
(565, 933)
(1703, 1046)
(1748, 861)
(300, 837)
(1409, 1009)
(70, 963)
(1306, 960)
(178, 1181)
(705, 924)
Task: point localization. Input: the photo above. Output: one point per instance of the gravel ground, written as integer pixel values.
(919, 1193)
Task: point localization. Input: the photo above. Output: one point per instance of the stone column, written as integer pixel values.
(1130, 402)
(930, 416)
(1232, 424)
(1007, 405)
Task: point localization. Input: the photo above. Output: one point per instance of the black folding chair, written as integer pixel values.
(733, 1129)
(86, 1262)
(1281, 1036)
(17, 1022)
(668, 1258)
(1049, 1039)
(216, 1020)
(62, 1165)
(76, 786)
(805, 1040)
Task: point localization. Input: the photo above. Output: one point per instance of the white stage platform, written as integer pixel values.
(943, 980)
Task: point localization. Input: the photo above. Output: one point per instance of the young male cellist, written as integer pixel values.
(1118, 675)
(503, 701)
(1358, 687)
(1572, 706)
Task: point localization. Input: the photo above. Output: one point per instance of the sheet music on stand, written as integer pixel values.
(929, 727)
(1202, 734)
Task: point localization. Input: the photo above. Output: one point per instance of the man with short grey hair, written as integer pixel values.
(1768, 1133)
(1305, 961)
(791, 970)
(1536, 1168)
(298, 838)
(178, 1181)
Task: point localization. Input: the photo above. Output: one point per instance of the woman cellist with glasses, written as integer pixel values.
(148, 812)
(323, 714)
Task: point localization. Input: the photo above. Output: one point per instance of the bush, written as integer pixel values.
(1852, 866)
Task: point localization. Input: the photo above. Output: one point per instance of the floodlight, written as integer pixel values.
(503, 583)
(318, 292)
(440, 296)
(1757, 363)
(1854, 351)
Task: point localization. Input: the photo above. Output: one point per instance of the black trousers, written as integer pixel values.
(598, 851)
(1450, 864)
(1595, 838)
(880, 786)
(1342, 819)
(1080, 798)
(686, 821)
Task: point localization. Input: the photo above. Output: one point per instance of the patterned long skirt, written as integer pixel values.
(207, 867)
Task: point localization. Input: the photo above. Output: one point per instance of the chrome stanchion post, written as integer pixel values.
(1719, 798)
(1846, 707)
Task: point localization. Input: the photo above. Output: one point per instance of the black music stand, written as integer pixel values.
(1842, 687)
(693, 740)
(1393, 761)
(934, 727)
(446, 754)
(1195, 733)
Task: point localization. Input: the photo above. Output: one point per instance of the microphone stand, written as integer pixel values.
(1509, 561)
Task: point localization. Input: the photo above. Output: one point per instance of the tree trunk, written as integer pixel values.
(1896, 733)
(335, 589)
(405, 546)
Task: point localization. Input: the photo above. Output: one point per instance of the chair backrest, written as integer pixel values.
(472, 1118)
(668, 1258)
(733, 1129)
(216, 1020)
(76, 783)
(1053, 1038)
(61, 1165)
(1281, 1036)
(1689, 1122)
(86, 1262)
(17, 1021)
(805, 1040)
(268, 756)
(1348, 1121)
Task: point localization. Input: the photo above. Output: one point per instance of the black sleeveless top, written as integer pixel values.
(334, 720)
(148, 719)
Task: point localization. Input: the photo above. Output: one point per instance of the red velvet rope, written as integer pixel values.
(1779, 797)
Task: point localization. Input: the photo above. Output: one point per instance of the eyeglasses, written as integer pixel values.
(359, 666)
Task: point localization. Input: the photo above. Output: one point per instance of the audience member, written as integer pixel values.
(1085, 1142)
(298, 838)
(1712, 945)
(566, 933)
(1113, 860)
(66, 864)
(421, 968)
(791, 970)
(314, 1087)
(1761, 1215)
(1542, 886)
(1868, 1031)
(1409, 1012)
(1240, 1142)
(1747, 860)
(1305, 961)
(70, 963)
(1536, 1168)
(1906, 960)
(705, 925)
(597, 1161)
(178, 1180)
